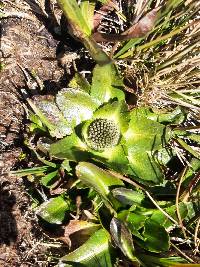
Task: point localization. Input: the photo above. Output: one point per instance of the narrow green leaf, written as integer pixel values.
(128, 45)
(87, 10)
(195, 153)
(35, 170)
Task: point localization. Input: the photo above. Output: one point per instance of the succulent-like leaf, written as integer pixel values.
(128, 196)
(96, 251)
(75, 105)
(134, 222)
(106, 83)
(114, 158)
(122, 238)
(53, 210)
(49, 114)
(100, 180)
(71, 148)
(143, 138)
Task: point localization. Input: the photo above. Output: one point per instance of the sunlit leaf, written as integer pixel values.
(49, 179)
(49, 114)
(53, 210)
(106, 83)
(97, 251)
(87, 10)
(143, 138)
(70, 147)
(98, 179)
(122, 238)
(75, 105)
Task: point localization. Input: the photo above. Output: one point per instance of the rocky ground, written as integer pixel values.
(26, 44)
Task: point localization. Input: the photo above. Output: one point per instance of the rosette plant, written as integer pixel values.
(119, 157)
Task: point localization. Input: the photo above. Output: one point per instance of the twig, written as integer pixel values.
(182, 253)
(177, 201)
(196, 240)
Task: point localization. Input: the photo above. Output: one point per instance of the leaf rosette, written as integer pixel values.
(93, 122)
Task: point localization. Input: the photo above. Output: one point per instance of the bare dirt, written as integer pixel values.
(25, 43)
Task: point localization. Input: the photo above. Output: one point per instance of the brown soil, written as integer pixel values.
(24, 42)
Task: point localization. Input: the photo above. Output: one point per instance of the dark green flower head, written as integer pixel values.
(102, 134)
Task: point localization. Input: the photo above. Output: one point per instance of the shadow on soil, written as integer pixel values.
(8, 227)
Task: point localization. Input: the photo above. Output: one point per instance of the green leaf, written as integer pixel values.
(193, 169)
(50, 116)
(49, 179)
(106, 83)
(76, 105)
(71, 148)
(87, 10)
(79, 81)
(114, 158)
(96, 251)
(75, 16)
(81, 28)
(53, 210)
(176, 116)
(36, 170)
(128, 196)
(135, 222)
(100, 180)
(122, 238)
(152, 261)
(128, 45)
(160, 218)
(143, 138)
(156, 237)
(188, 148)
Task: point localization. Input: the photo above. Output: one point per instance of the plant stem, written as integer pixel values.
(80, 29)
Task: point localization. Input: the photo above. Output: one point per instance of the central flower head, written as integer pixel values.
(102, 134)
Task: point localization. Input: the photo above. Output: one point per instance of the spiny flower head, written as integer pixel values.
(102, 134)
